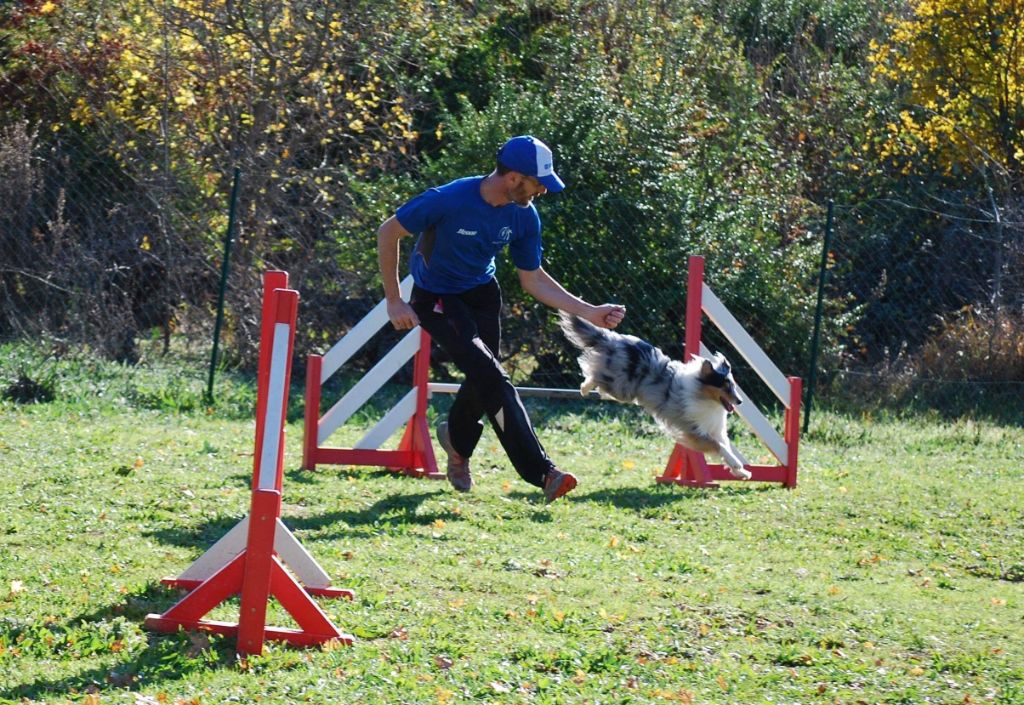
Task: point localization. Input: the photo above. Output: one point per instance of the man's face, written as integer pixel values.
(528, 188)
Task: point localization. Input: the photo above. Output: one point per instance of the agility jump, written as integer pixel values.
(415, 453)
(687, 467)
(250, 559)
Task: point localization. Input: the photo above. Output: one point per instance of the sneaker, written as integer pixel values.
(458, 467)
(558, 483)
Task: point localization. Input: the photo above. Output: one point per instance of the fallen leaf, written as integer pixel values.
(443, 662)
(332, 645)
(399, 633)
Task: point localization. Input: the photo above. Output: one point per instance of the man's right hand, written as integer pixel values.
(402, 316)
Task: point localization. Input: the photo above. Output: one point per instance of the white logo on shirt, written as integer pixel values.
(463, 231)
(504, 235)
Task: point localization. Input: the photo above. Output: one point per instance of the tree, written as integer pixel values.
(962, 65)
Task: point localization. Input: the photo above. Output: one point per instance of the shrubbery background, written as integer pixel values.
(682, 127)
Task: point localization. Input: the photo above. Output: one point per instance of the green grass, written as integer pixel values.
(892, 573)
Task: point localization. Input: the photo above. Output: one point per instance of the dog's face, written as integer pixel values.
(717, 382)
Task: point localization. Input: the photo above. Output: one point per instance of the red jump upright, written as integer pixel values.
(250, 559)
(688, 467)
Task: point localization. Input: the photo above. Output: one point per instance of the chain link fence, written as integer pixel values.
(108, 238)
(923, 308)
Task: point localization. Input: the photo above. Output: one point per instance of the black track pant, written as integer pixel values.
(468, 327)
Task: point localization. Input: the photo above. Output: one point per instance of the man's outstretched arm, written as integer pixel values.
(543, 287)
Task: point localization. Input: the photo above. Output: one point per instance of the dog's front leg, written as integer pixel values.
(736, 468)
(588, 385)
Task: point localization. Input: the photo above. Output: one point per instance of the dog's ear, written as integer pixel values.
(721, 365)
(706, 368)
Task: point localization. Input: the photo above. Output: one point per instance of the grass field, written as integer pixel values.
(894, 572)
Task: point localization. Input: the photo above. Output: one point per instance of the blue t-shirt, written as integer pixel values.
(460, 233)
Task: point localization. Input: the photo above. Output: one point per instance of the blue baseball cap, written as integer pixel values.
(528, 155)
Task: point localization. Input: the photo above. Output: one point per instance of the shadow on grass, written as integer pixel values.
(657, 496)
(394, 511)
(165, 658)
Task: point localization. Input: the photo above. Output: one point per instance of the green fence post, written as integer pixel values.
(812, 373)
(228, 236)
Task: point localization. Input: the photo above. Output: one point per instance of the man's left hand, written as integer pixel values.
(607, 315)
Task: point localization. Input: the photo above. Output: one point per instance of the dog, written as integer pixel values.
(690, 401)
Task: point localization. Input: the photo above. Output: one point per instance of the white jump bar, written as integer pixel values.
(391, 421)
(745, 345)
(370, 383)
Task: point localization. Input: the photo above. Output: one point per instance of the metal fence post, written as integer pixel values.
(228, 236)
(812, 373)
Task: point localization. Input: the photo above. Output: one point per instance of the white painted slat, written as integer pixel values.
(370, 383)
(298, 559)
(757, 422)
(219, 554)
(400, 414)
(267, 479)
(763, 429)
(745, 345)
(357, 337)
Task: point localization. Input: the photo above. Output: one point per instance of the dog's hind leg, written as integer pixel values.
(588, 386)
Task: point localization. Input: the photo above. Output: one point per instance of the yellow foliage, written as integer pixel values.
(962, 62)
(192, 77)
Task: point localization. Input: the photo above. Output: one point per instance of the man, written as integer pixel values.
(456, 299)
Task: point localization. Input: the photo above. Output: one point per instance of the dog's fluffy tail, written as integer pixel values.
(581, 333)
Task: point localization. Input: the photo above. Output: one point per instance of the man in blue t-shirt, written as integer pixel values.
(461, 226)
